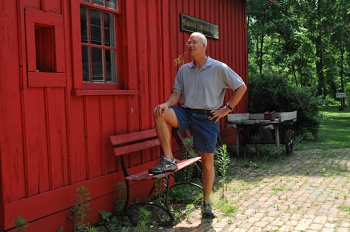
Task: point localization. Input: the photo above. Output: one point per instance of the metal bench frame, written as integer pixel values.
(125, 144)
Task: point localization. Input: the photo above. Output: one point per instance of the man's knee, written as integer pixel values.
(207, 160)
(169, 117)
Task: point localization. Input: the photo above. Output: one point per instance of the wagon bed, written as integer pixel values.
(255, 128)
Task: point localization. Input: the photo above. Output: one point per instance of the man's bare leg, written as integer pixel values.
(162, 128)
(208, 176)
(166, 163)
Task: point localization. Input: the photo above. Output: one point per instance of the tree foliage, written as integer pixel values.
(306, 41)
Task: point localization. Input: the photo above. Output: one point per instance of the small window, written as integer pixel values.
(45, 48)
(99, 43)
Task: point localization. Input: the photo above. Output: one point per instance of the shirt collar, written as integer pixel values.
(208, 63)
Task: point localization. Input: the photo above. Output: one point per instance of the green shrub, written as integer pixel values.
(273, 93)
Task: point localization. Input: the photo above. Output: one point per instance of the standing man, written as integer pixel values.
(201, 84)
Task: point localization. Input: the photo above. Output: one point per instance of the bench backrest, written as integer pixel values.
(135, 141)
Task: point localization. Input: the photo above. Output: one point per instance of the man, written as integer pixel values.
(201, 84)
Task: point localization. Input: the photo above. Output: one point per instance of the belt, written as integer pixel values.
(200, 111)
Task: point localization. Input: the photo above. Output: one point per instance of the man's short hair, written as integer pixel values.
(203, 38)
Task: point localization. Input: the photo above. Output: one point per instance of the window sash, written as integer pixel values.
(99, 50)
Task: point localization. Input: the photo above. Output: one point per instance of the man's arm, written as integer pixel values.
(236, 97)
(173, 99)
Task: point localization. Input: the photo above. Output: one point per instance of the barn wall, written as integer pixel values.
(53, 141)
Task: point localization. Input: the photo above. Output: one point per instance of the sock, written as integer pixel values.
(170, 160)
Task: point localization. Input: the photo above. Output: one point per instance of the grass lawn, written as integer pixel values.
(334, 131)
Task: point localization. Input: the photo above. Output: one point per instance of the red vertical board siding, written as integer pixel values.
(76, 149)
(56, 134)
(132, 74)
(166, 42)
(36, 143)
(76, 140)
(153, 63)
(120, 117)
(93, 142)
(153, 74)
(51, 6)
(107, 126)
(130, 23)
(11, 150)
(142, 40)
(53, 142)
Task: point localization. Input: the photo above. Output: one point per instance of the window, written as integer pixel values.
(99, 44)
(45, 49)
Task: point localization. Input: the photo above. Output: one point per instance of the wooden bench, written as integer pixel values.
(125, 144)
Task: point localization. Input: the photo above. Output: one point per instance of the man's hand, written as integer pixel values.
(217, 114)
(160, 109)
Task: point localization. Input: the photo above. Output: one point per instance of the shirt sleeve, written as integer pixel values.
(230, 78)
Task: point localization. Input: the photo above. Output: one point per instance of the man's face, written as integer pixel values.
(195, 45)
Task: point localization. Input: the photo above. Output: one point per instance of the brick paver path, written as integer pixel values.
(308, 191)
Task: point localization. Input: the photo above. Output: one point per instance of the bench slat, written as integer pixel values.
(132, 137)
(146, 176)
(135, 147)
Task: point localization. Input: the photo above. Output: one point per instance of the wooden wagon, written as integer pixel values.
(263, 128)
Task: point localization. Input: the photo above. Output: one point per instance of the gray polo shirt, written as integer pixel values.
(205, 88)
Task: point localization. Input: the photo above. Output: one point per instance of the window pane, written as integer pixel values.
(86, 63)
(95, 27)
(86, 0)
(83, 25)
(113, 4)
(97, 65)
(99, 2)
(111, 64)
(109, 30)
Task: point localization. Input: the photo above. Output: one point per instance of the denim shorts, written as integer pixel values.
(204, 130)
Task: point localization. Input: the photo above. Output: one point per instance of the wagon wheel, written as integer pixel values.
(243, 140)
(289, 141)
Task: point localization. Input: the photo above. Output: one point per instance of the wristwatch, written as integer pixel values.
(228, 106)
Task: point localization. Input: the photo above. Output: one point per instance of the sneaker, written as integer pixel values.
(164, 165)
(206, 210)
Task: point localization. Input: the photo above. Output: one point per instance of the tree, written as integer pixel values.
(307, 42)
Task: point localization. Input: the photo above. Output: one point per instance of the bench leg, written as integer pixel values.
(127, 197)
(148, 201)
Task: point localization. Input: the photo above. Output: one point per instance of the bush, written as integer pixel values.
(273, 93)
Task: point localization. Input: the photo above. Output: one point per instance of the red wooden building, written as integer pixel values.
(74, 72)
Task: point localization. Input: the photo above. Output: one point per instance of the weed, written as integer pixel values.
(120, 194)
(113, 223)
(80, 211)
(20, 224)
(226, 207)
(187, 152)
(345, 208)
(223, 162)
(143, 217)
(185, 194)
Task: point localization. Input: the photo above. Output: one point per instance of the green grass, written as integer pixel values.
(226, 207)
(334, 131)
